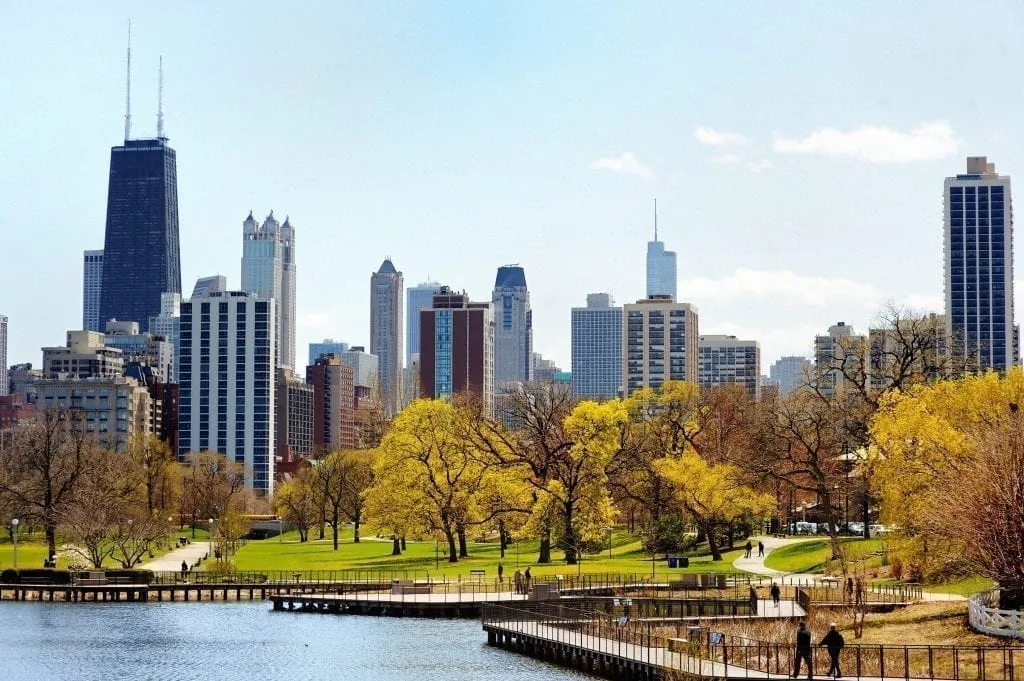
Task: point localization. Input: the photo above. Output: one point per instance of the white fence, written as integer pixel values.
(986, 618)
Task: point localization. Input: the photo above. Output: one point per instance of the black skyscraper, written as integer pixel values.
(141, 258)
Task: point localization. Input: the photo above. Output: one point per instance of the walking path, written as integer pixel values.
(171, 561)
(755, 564)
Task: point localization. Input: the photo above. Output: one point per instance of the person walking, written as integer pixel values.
(526, 583)
(803, 651)
(849, 589)
(749, 548)
(776, 594)
(833, 643)
(859, 597)
(184, 568)
(501, 571)
(518, 579)
(760, 549)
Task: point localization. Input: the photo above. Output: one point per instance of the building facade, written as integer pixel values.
(978, 235)
(21, 379)
(836, 354)
(386, 332)
(226, 380)
(268, 271)
(4, 379)
(167, 325)
(659, 343)
(513, 327)
(141, 256)
(457, 349)
(727, 360)
(661, 266)
(333, 404)
(327, 346)
(92, 288)
(216, 283)
(114, 408)
(142, 348)
(597, 348)
(85, 355)
(419, 297)
(294, 421)
(791, 372)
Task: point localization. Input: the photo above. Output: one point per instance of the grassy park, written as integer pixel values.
(815, 555)
(287, 553)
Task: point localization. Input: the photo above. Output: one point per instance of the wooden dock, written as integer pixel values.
(386, 604)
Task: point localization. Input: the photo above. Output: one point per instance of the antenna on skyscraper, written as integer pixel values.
(655, 219)
(128, 89)
(160, 103)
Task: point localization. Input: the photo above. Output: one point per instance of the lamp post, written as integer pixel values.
(280, 529)
(14, 538)
(210, 537)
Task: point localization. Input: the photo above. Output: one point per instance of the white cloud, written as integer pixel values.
(759, 166)
(926, 142)
(716, 138)
(782, 286)
(725, 159)
(924, 302)
(626, 163)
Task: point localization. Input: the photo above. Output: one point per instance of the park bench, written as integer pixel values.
(478, 575)
(685, 582)
(120, 579)
(91, 579)
(408, 587)
(37, 581)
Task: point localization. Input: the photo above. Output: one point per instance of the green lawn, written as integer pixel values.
(30, 554)
(811, 556)
(32, 550)
(968, 586)
(373, 554)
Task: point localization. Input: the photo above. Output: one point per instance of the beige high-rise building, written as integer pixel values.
(835, 354)
(659, 343)
(386, 332)
(727, 359)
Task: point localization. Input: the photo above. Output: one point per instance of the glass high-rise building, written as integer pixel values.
(661, 265)
(141, 257)
(92, 287)
(386, 332)
(513, 327)
(268, 270)
(419, 297)
(979, 265)
(3, 356)
(597, 348)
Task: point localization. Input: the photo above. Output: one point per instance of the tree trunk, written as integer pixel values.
(335, 529)
(323, 521)
(716, 553)
(545, 547)
(404, 547)
(396, 547)
(570, 537)
(453, 556)
(502, 539)
(463, 548)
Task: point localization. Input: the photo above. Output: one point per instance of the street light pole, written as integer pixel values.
(14, 538)
(210, 537)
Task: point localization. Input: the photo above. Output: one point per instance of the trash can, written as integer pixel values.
(684, 562)
(673, 561)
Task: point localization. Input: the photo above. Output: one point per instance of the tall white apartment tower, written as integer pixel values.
(226, 379)
(729, 360)
(419, 297)
(513, 327)
(4, 385)
(661, 266)
(92, 287)
(268, 270)
(597, 348)
(386, 332)
(978, 235)
(659, 343)
(168, 325)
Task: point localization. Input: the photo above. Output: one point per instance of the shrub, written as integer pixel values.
(9, 576)
(44, 575)
(132, 576)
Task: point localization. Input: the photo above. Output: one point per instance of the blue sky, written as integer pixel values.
(797, 150)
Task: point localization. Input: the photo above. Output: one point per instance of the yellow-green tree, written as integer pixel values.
(296, 502)
(712, 496)
(946, 462)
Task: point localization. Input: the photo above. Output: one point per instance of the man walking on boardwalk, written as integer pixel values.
(760, 549)
(776, 594)
(833, 642)
(803, 651)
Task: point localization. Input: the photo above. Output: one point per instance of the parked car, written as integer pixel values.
(806, 528)
(877, 530)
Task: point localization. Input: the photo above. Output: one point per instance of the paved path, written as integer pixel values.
(171, 561)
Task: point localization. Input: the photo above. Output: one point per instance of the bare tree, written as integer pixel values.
(40, 471)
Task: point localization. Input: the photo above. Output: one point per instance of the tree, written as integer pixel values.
(212, 484)
(40, 472)
(947, 461)
(713, 496)
(340, 478)
(296, 503)
(134, 534)
(158, 465)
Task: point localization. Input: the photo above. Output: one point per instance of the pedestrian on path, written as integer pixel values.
(803, 651)
(518, 579)
(526, 581)
(849, 589)
(860, 591)
(833, 643)
(501, 571)
(776, 594)
(749, 547)
(760, 549)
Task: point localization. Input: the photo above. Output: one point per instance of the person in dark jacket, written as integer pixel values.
(833, 642)
(803, 651)
(776, 594)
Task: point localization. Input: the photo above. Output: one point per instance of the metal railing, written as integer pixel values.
(713, 654)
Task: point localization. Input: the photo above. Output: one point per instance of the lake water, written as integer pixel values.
(247, 642)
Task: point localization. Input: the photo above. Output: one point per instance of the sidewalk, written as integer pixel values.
(171, 562)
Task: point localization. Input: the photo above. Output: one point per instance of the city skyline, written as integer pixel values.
(887, 151)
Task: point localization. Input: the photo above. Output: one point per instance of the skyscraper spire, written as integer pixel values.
(160, 103)
(128, 89)
(655, 219)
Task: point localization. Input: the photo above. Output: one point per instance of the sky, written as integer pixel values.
(796, 150)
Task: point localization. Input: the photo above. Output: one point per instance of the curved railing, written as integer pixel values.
(985, 617)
